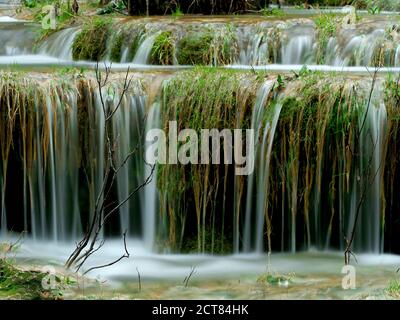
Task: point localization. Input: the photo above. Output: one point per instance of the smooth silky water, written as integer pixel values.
(314, 274)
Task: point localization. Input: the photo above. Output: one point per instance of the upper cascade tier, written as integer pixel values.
(327, 39)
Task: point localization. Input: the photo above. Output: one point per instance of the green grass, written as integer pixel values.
(194, 48)
(91, 42)
(327, 26)
(19, 284)
(163, 50)
(272, 12)
(177, 13)
(116, 48)
(393, 289)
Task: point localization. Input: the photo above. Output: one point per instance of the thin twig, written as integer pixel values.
(125, 255)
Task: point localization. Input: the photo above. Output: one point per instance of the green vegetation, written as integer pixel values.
(194, 48)
(163, 51)
(196, 99)
(19, 284)
(64, 18)
(177, 12)
(91, 42)
(327, 27)
(116, 47)
(393, 289)
(208, 47)
(272, 12)
(274, 279)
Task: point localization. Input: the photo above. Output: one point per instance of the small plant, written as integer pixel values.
(327, 26)
(163, 50)
(194, 48)
(91, 42)
(374, 7)
(275, 280)
(116, 48)
(177, 12)
(272, 12)
(30, 3)
(394, 289)
(20, 284)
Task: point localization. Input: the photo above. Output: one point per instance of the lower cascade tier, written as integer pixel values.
(319, 149)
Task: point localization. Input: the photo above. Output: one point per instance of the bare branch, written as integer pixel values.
(125, 255)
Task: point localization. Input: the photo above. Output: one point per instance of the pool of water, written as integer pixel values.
(311, 275)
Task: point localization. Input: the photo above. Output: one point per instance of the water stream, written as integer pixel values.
(310, 170)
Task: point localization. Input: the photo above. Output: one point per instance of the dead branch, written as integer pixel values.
(187, 278)
(125, 255)
(369, 180)
(139, 279)
(102, 212)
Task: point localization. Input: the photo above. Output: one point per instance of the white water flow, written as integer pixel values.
(127, 128)
(142, 55)
(51, 178)
(151, 204)
(264, 137)
(59, 44)
(253, 46)
(366, 181)
(299, 50)
(16, 38)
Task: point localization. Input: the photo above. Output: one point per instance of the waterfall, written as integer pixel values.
(16, 38)
(306, 176)
(260, 176)
(298, 50)
(369, 172)
(142, 56)
(128, 127)
(59, 44)
(253, 46)
(150, 205)
(52, 178)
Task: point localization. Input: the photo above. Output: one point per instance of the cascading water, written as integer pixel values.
(289, 42)
(128, 127)
(142, 55)
(298, 190)
(150, 203)
(369, 172)
(254, 225)
(59, 44)
(16, 38)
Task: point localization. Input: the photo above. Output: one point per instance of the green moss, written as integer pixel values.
(197, 99)
(163, 50)
(208, 47)
(327, 26)
(195, 48)
(116, 48)
(91, 42)
(394, 289)
(134, 38)
(272, 12)
(19, 284)
(280, 280)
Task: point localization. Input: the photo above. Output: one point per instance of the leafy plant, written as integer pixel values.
(91, 42)
(327, 26)
(177, 12)
(163, 50)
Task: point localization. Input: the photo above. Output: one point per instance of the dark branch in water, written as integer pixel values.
(139, 279)
(125, 255)
(87, 246)
(369, 179)
(187, 278)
